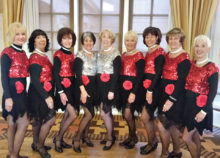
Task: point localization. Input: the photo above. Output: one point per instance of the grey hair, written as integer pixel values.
(203, 38)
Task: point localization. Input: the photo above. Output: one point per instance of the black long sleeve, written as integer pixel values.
(159, 61)
(5, 66)
(140, 72)
(78, 66)
(182, 71)
(35, 71)
(116, 72)
(56, 71)
(213, 86)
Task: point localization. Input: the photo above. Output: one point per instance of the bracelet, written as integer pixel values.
(60, 91)
(149, 91)
(203, 112)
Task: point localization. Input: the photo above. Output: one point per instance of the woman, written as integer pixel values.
(132, 70)
(201, 88)
(40, 92)
(154, 61)
(14, 70)
(108, 69)
(175, 70)
(85, 69)
(65, 79)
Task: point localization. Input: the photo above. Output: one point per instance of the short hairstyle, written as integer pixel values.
(153, 31)
(65, 31)
(87, 34)
(31, 41)
(176, 32)
(202, 38)
(13, 28)
(131, 33)
(108, 32)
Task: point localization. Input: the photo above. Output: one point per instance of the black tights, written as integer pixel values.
(16, 133)
(83, 126)
(149, 126)
(69, 116)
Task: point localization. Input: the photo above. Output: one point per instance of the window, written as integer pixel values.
(146, 13)
(54, 14)
(96, 15)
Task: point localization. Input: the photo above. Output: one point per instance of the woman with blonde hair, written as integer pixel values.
(201, 89)
(131, 77)
(14, 71)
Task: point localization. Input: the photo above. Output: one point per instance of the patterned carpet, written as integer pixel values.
(210, 141)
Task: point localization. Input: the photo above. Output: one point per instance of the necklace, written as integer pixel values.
(153, 46)
(131, 52)
(65, 49)
(108, 49)
(202, 62)
(40, 52)
(88, 52)
(16, 47)
(176, 51)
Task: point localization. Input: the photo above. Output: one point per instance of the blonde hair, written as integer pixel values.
(131, 33)
(176, 32)
(108, 32)
(13, 28)
(203, 38)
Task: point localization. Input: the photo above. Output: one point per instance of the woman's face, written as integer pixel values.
(88, 43)
(201, 49)
(174, 42)
(20, 37)
(130, 43)
(40, 42)
(106, 40)
(150, 40)
(67, 41)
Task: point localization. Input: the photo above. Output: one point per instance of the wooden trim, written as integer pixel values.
(121, 18)
(130, 14)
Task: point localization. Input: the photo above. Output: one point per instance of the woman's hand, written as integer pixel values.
(200, 117)
(63, 98)
(149, 97)
(131, 98)
(84, 96)
(49, 101)
(110, 95)
(8, 104)
(168, 104)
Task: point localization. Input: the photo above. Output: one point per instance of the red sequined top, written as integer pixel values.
(197, 79)
(67, 60)
(46, 66)
(150, 60)
(128, 64)
(19, 63)
(170, 71)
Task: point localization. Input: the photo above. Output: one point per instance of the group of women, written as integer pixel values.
(180, 90)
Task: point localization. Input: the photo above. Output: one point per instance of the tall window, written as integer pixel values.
(146, 13)
(54, 14)
(96, 15)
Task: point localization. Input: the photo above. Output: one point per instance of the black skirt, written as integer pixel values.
(38, 109)
(69, 91)
(20, 100)
(190, 111)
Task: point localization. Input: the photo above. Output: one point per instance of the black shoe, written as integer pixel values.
(88, 142)
(57, 148)
(76, 149)
(149, 149)
(65, 145)
(34, 147)
(143, 147)
(126, 141)
(110, 146)
(131, 144)
(47, 147)
(175, 155)
(43, 153)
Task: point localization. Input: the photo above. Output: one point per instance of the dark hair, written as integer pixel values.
(153, 31)
(87, 34)
(31, 40)
(65, 31)
(176, 32)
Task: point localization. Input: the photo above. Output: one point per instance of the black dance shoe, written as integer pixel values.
(76, 149)
(110, 146)
(34, 147)
(58, 149)
(43, 153)
(131, 144)
(148, 149)
(88, 142)
(65, 145)
(175, 155)
(126, 141)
